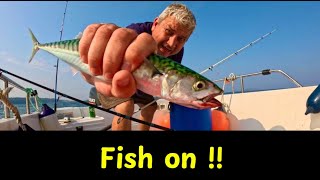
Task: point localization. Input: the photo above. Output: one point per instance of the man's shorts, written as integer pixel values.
(142, 98)
(139, 98)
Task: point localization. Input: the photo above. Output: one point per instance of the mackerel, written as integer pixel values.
(158, 76)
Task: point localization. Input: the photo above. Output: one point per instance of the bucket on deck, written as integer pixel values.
(188, 119)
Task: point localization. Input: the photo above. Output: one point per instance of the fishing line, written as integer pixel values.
(88, 104)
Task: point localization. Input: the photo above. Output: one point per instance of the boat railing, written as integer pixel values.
(6, 82)
(233, 77)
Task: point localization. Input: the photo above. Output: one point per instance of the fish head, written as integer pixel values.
(191, 90)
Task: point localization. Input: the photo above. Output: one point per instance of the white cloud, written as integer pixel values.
(2, 53)
(36, 63)
(41, 64)
(4, 56)
(42, 71)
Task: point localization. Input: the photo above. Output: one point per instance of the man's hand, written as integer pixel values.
(114, 52)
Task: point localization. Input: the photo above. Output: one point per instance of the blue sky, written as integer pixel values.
(222, 29)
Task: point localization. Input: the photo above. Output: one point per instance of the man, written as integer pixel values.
(115, 52)
(93, 96)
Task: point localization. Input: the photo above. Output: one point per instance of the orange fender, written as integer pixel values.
(161, 119)
(220, 121)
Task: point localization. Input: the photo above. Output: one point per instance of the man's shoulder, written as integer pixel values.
(142, 24)
(141, 27)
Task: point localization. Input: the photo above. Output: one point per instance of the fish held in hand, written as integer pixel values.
(158, 76)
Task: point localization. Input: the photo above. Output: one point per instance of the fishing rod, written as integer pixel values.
(237, 52)
(88, 104)
(57, 66)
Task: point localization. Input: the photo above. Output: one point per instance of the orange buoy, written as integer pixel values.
(220, 121)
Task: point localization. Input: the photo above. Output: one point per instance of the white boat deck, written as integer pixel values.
(282, 109)
(87, 123)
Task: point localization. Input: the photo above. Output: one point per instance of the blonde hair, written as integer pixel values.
(181, 13)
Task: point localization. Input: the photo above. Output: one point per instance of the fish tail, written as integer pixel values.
(35, 47)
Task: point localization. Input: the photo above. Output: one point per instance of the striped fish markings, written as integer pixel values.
(158, 76)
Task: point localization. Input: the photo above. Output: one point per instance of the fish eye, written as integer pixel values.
(199, 85)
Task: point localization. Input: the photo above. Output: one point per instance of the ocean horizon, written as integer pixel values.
(20, 103)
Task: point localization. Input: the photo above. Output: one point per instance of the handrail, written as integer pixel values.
(232, 77)
(5, 78)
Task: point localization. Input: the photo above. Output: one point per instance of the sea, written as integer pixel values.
(20, 103)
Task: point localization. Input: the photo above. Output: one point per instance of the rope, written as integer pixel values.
(226, 107)
(232, 77)
(13, 109)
